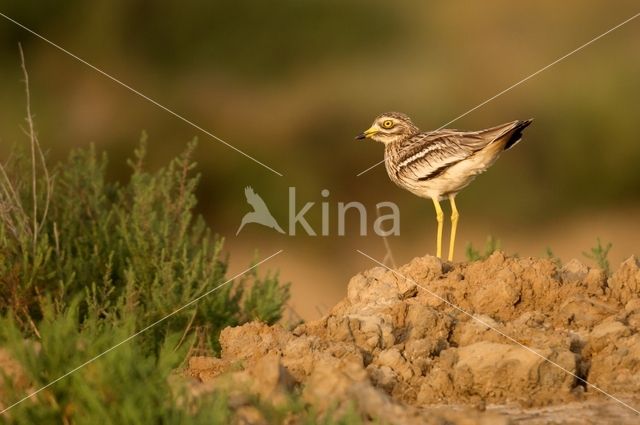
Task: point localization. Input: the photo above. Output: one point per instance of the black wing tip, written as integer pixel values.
(524, 123)
(516, 135)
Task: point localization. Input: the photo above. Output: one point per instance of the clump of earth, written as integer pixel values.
(498, 341)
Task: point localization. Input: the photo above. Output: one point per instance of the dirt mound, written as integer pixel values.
(404, 345)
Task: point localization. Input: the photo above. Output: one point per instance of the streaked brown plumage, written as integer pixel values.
(439, 164)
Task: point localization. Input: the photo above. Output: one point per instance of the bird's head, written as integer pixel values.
(390, 127)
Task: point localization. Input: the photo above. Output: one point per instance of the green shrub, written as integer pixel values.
(600, 254)
(134, 249)
(553, 257)
(491, 245)
(122, 387)
(86, 263)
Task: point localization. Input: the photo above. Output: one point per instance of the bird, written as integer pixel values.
(438, 164)
(260, 213)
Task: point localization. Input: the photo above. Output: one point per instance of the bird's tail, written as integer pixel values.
(515, 134)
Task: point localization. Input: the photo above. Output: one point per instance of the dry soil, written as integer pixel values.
(498, 341)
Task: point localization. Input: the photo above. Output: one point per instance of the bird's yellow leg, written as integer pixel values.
(440, 218)
(454, 225)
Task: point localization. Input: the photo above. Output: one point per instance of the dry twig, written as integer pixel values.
(389, 255)
(36, 151)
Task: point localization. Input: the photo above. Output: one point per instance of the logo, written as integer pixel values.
(260, 213)
(387, 224)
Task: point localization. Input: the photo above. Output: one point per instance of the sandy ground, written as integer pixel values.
(503, 340)
(576, 413)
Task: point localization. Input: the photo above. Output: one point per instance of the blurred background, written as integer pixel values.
(292, 83)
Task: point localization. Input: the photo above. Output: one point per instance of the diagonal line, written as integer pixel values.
(131, 89)
(477, 319)
(124, 341)
(560, 59)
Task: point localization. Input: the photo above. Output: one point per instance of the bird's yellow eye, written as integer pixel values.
(387, 124)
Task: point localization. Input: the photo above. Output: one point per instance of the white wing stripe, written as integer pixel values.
(419, 155)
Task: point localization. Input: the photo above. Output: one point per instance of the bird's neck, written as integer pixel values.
(397, 140)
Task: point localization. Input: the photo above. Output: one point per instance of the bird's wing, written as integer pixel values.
(510, 133)
(427, 155)
(254, 199)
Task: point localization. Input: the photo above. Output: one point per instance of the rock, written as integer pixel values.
(574, 272)
(378, 285)
(504, 372)
(393, 359)
(596, 282)
(253, 338)
(579, 311)
(607, 333)
(615, 360)
(501, 292)
(625, 282)
(422, 269)
(633, 304)
(471, 331)
(382, 377)
(271, 380)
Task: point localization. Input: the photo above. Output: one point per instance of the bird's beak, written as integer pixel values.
(368, 133)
